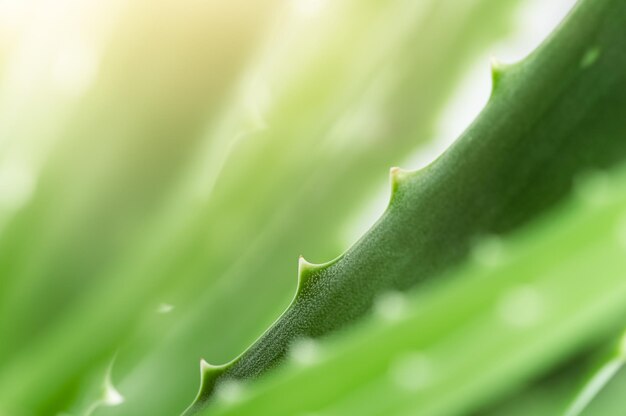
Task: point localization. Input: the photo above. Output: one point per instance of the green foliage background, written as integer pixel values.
(163, 164)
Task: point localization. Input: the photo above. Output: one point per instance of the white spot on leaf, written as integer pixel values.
(391, 306)
(165, 308)
(489, 251)
(230, 391)
(412, 371)
(521, 307)
(305, 351)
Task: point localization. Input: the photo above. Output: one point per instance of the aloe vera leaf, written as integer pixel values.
(609, 399)
(343, 168)
(566, 104)
(595, 384)
(338, 178)
(570, 389)
(500, 321)
(579, 380)
(600, 391)
(339, 174)
(172, 358)
(81, 319)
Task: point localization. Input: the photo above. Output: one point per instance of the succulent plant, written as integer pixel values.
(538, 132)
(165, 163)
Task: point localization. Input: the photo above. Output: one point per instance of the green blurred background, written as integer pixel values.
(163, 164)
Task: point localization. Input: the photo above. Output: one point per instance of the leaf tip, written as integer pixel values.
(398, 172)
(397, 176)
(305, 271)
(498, 68)
(208, 376)
(204, 366)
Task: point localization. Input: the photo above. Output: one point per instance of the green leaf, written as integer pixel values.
(553, 290)
(203, 235)
(550, 117)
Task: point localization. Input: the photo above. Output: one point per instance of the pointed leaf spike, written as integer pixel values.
(305, 271)
(210, 370)
(204, 367)
(497, 70)
(396, 177)
(209, 375)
